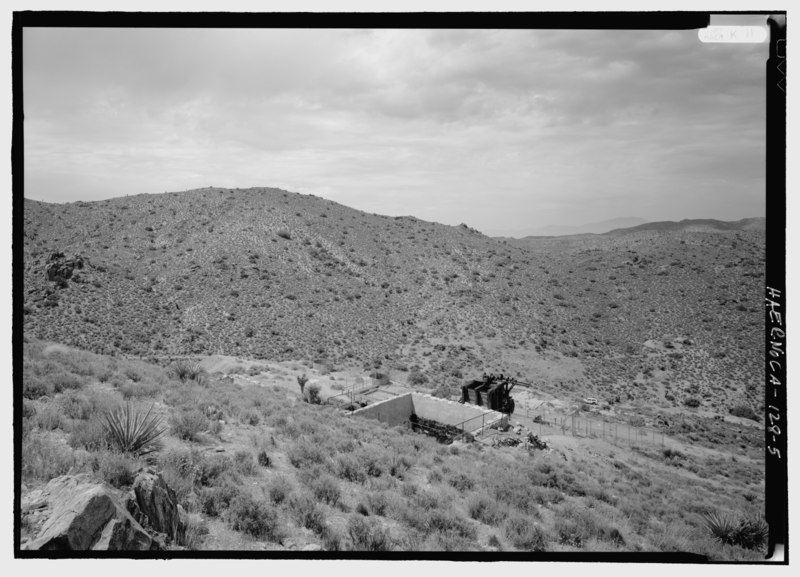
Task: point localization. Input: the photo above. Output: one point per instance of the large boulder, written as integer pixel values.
(80, 514)
(157, 506)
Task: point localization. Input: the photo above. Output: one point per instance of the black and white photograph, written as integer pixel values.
(466, 286)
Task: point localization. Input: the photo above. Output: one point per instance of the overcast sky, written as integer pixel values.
(507, 131)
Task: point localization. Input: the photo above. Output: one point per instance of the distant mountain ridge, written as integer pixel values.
(588, 228)
(695, 225)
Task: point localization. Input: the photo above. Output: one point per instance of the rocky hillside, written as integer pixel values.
(265, 273)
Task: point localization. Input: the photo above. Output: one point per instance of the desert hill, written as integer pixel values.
(663, 316)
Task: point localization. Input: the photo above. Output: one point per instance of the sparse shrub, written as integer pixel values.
(325, 488)
(312, 395)
(250, 417)
(187, 425)
(34, 388)
(331, 539)
(307, 514)
(90, 435)
(249, 516)
(350, 469)
(367, 534)
(117, 469)
(744, 411)
(138, 390)
(75, 405)
(50, 418)
(524, 534)
(196, 530)
(279, 489)
(244, 462)
(214, 501)
(65, 381)
(44, 458)
(130, 430)
(485, 509)
(461, 482)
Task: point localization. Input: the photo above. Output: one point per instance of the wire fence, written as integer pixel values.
(542, 423)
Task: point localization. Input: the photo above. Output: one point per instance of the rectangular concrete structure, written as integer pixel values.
(398, 410)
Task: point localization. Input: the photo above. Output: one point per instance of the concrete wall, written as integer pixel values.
(394, 411)
(443, 411)
(397, 410)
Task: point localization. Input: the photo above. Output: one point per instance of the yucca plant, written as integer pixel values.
(131, 430)
(185, 370)
(722, 527)
(749, 533)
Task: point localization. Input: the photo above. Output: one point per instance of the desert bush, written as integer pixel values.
(279, 489)
(250, 417)
(131, 430)
(252, 517)
(117, 469)
(367, 535)
(485, 509)
(304, 453)
(350, 469)
(744, 411)
(214, 501)
(326, 489)
(90, 435)
(44, 458)
(49, 418)
(139, 390)
(312, 394)
(63, 381)
(188, 424)
(331, 539)
(461, 482)
(524, 534)
(75, 405)
(34, 387)
(244, 463)
(196, 530)
(307, 514)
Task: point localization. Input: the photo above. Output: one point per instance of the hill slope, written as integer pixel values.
(264, 273)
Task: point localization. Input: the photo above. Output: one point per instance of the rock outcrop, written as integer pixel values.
(157, 505)
(80, 514)
(61, 268)
(77, 513)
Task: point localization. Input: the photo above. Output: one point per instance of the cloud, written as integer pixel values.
(515, 128)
